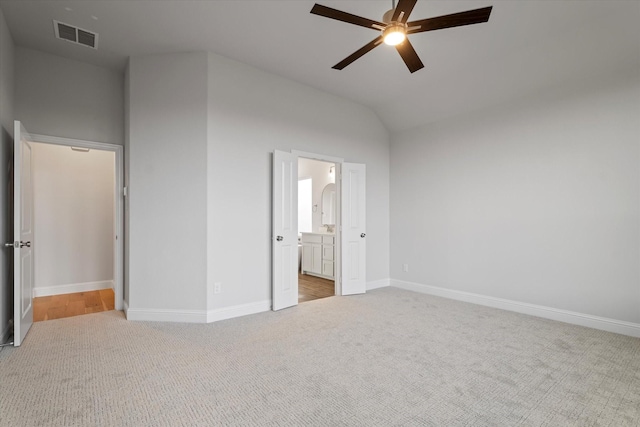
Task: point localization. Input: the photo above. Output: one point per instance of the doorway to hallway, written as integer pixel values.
(26, 239)
(73, 190)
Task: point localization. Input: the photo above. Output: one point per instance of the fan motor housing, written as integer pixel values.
(386, 18)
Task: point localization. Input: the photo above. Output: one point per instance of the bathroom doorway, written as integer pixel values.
(348, 237)
(317, 213)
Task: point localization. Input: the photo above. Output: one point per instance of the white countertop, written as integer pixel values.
(319, 233)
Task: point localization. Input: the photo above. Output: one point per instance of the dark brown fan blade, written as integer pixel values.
(409, 56)
(405, 6)
(358, 53)
(469, 17)
(339, 15)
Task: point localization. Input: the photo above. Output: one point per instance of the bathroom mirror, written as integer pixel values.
(329, 204)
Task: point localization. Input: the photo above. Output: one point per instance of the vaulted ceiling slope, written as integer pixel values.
(525, 47)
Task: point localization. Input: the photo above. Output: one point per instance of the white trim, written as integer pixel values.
(376, 284)
(118, 247)
(71, 142)
(238, 311)
(166, 315)
(195, 316)
(315, 156)
(337, 273)
(71, 288)
(596, 322)
(337, 161)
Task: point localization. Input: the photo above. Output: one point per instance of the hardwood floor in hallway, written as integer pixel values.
(311, 288)
(69, 305)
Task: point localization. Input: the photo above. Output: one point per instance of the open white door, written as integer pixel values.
(354, 246)
(22, 235)
(285, 230)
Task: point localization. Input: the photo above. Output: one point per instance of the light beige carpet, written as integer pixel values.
(387, 358)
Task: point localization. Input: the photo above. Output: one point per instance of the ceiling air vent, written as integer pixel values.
(75, 35)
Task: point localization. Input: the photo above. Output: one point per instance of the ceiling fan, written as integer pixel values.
(395, 28)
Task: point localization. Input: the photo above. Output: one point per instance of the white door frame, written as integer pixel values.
(338, 234)
(118, 250)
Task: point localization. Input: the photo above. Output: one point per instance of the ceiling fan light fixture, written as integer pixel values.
(394, 34)
(395, 26)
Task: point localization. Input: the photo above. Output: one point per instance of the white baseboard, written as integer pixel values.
(166, 315)
(595, 322)
(238, 311)
(194, 316)
(382, 283)
(72, 288)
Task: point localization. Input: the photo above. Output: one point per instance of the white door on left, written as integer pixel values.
(22, 234)
(285, 230)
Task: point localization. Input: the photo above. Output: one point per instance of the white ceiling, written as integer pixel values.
(526, 45)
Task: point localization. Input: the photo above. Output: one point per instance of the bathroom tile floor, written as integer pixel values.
(311, 287)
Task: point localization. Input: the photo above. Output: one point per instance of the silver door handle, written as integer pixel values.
(363, 235)
(279, 238)
(10, 245)
(23, 244)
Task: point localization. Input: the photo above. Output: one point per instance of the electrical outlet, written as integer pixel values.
(405, 268)
(217, 288)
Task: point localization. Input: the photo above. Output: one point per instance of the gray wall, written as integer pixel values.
(167, 147)
(202, 130)
(251, 113)
(66, 98)
(534, 201)
(127, 134)
(62, 97)
(6, 148)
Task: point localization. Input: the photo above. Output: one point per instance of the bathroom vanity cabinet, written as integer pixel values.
(318, 255)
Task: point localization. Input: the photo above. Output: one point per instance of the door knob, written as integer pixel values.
(10, 245)
(23, 244)
(279, 238)
(363, 235)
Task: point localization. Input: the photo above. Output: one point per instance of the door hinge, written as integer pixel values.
(125, 191)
